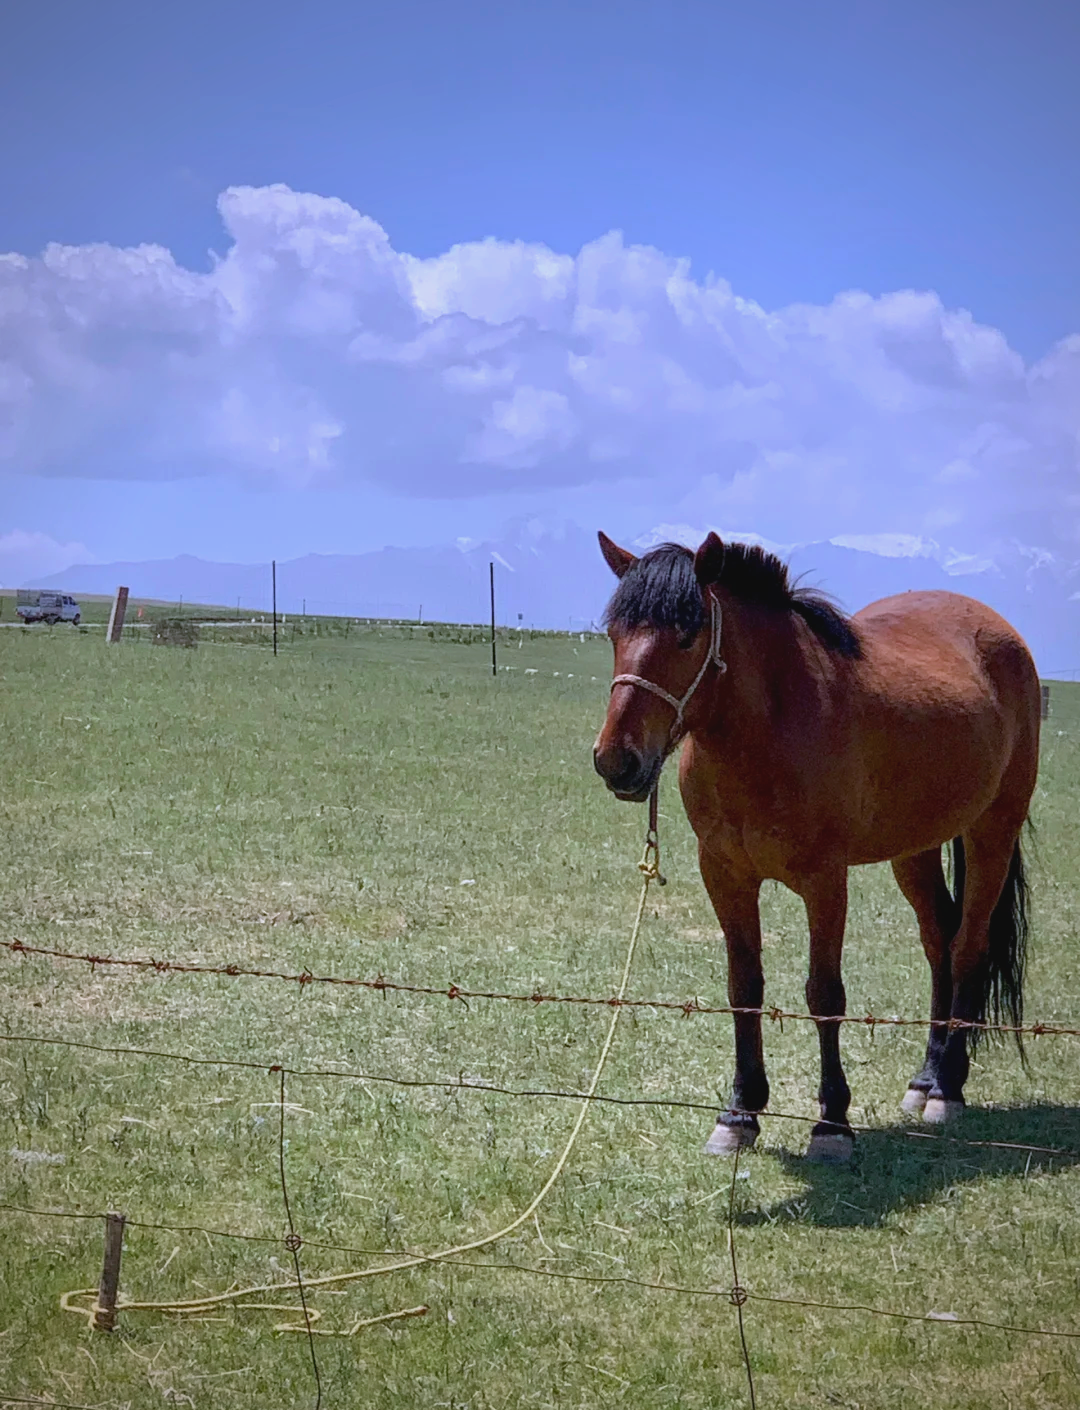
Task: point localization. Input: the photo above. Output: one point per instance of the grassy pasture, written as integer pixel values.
(324, 810)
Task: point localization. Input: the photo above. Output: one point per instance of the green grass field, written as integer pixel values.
(378, 804)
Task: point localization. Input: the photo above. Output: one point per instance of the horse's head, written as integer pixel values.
(664, 624)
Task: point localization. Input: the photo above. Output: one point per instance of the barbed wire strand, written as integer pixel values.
(687, 1007)
(649, 868)
(47, 1404)
(274, 1239)
(452, 1085)
(54, 1213)
(720, 1292)
(293, 1243)
(725, 1293)
(510, 1266)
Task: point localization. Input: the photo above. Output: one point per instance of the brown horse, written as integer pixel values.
(811, 743)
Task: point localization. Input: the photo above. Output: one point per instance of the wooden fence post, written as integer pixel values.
(117, 615)
(105, 1308)
(1046, 702)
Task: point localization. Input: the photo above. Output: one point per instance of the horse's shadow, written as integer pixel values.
(898, 1167)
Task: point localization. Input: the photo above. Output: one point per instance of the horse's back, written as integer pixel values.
(949, 710)
(927, 642)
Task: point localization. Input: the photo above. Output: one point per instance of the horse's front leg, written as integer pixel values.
(735, 900)
(832, 1139)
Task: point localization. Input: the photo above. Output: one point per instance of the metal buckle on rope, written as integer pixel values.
(649, 866)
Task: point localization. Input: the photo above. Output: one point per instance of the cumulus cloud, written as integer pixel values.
(26, 556)
(315, 353)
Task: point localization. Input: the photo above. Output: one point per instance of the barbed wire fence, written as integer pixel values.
(100, 1306)
(738, 1295)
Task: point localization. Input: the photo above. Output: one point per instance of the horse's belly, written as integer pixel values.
(924, 794)
(863, 821)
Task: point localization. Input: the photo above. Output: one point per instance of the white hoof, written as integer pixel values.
(938, 1111)
(726, 1140)
(831, 1149)
(914, 1101)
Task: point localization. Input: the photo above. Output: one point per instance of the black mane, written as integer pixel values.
(661, 589)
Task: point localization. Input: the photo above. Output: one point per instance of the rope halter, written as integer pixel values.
(712, 658)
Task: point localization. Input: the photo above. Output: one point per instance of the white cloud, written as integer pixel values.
(314, 352)
(25, 556)
(524, 428)
(494, 282)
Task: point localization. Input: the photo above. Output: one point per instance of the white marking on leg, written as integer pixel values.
(938, 1111)
(726, 1140)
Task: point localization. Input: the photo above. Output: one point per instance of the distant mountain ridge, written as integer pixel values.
(554, 577)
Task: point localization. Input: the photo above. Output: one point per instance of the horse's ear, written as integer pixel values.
(709, 560)
(618, 559)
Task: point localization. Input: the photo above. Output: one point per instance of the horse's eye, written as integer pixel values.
(686, 642)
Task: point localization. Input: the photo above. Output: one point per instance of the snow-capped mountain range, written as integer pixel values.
(552, 575)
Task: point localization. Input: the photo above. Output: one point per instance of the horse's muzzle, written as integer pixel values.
(628, 775)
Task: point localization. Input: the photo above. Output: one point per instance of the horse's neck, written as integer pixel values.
(772, 723)
(778, 684)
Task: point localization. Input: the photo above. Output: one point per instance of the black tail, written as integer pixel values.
(1003, 993)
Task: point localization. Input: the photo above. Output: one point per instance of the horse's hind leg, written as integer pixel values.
(993, 873)
(735, 902)
(922, 881)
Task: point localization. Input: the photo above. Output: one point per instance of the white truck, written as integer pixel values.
(47, 606)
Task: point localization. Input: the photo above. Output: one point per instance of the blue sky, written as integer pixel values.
(795, 152)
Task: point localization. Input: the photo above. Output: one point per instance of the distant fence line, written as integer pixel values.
(258, 629)
(361, 610)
